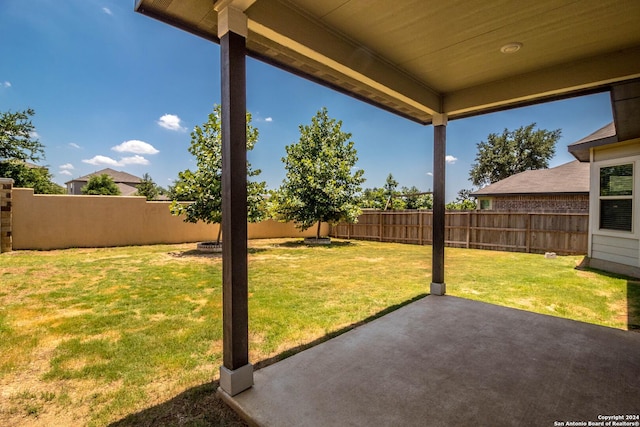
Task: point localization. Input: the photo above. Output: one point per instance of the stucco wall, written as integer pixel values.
(65, 221)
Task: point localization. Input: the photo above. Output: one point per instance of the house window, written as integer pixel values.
(485, 204)
(616, 197)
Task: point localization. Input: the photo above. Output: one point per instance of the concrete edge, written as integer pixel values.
(231, 403)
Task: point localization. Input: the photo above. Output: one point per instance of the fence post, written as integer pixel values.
(6, 219)
(380, 228)
(527, 238)
(468, 228)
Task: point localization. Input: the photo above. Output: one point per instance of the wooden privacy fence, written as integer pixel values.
(532, 232)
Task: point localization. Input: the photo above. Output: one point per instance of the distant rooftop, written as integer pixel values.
(569, 178)
(117, 176)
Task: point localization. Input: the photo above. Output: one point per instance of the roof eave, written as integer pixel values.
(581, 150)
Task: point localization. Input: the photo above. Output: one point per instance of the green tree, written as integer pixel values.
(391, 194)
(203, 187)
(464, 202)
(101, 185)
(513, 152)
(415, 199)
(18, 145)
(373, 198)
(174, 194)
(320, 185)
(17, 137)
(25, 175)
(148, 188)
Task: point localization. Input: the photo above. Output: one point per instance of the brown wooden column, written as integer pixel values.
(236, 374)
(438, 286)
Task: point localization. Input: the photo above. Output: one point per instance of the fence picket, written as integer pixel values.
(535, 232)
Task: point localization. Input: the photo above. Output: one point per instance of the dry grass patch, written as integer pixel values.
(93, 336)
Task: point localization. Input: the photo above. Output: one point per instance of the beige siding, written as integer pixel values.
(617, 151)
(616, 249)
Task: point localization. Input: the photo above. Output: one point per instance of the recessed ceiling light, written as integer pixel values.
(511, 47)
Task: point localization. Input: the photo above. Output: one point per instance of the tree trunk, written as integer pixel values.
(219, 234)
(318, 231)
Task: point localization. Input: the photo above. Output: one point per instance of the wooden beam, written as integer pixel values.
(234, 203)
(438, 286)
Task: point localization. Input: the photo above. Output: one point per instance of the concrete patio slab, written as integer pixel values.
(445, 361)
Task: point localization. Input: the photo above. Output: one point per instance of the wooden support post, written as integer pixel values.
(236, 374)
(438, 286)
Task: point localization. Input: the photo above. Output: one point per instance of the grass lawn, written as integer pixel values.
(93, 336)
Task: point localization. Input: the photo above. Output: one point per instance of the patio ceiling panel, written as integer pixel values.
(349, 65)
(420, 57)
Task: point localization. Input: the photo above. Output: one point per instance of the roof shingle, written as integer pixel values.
(572, 177)
(117, 176)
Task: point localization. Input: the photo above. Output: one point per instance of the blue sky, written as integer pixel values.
(112, 88)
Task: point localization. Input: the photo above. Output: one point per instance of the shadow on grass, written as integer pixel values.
(195, 253)
(201, 405)
(302, 244)
(197, 406)
(633, 294)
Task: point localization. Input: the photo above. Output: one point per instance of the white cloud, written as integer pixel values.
(101, 161)
(450, 159)
(268, 119)
(136, 147)
(107, 11)
(6, 84)
(67, 166)
(171, 122)
(430, 173)
(133, 160)
(33, 134)
(73, 145)
(64, 172)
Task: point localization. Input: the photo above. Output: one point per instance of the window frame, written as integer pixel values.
(632, 197)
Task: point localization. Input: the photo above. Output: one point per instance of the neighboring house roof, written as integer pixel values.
(603, 136)
(126, 190)
(569, 178)
(117, 176)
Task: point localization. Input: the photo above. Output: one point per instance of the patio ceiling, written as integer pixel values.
(420, 57)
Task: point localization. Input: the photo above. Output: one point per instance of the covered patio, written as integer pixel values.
(429, 62)
(443, 361)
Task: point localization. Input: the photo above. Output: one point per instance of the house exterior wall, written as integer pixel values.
(616, 251)
(578, 203)
(75, 187)
(65, 221)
